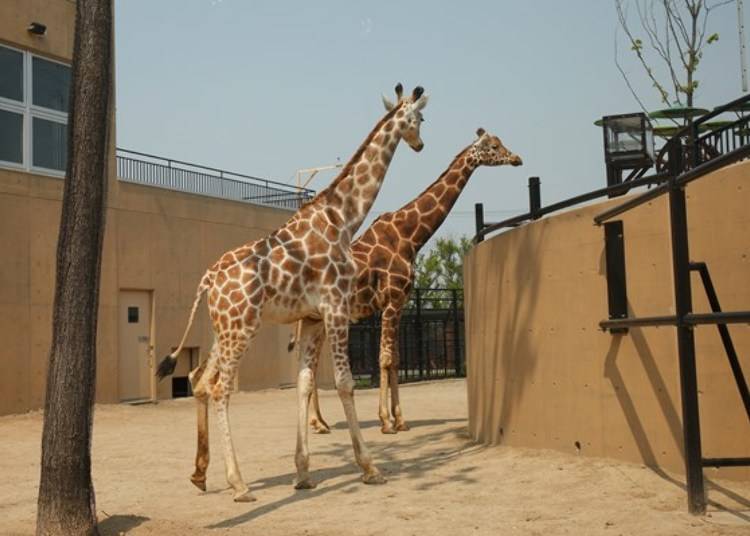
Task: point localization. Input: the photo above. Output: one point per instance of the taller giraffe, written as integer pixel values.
(385, 256)
(304, 270)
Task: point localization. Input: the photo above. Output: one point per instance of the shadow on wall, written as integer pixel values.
(624, 398)
(508, 333)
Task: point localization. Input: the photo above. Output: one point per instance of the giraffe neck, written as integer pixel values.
(354, 191)
(434, 204)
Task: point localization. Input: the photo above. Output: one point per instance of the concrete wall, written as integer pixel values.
(541, 373)
(156, 240)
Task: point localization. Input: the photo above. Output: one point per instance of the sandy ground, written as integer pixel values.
(439, 482)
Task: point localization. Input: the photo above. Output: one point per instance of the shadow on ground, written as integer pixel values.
(390, 458)
(342, 425)
(119, 524)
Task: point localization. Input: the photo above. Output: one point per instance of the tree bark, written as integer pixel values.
(66, 503)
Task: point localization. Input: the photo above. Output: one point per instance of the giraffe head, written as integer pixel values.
(488, 150)
(408, 114)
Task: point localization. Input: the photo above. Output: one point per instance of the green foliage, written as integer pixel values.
(712, 38)
(442, 265)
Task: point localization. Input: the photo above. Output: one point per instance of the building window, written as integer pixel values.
(132, 315)
(34, 101)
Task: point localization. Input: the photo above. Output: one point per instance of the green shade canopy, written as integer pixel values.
(678, 112)
(666, 131)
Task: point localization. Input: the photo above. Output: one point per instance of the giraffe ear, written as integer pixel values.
(480, 132)
(422, 102)
(387, 103)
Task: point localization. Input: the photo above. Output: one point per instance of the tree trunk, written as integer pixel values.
(66, 502)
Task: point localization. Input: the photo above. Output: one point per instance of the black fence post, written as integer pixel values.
(374, 351)
(420, 346)
(535, 197)
(686, 350)
(456, 336)
(479, 221)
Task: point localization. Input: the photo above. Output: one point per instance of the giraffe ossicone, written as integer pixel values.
(385, 255)
(304, 270)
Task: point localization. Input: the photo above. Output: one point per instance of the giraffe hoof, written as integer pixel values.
(373, 478)
(321, 429)
(305, 484)
(199, 483)
(402, 427)
(387, 429)
(244, 497)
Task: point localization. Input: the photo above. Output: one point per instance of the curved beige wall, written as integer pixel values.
(540, 372)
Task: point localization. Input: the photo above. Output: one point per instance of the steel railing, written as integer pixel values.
(152, 170)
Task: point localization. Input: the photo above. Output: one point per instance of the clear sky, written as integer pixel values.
(268, 87)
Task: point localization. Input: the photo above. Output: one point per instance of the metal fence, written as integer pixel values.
(143, 168)
(431, 339)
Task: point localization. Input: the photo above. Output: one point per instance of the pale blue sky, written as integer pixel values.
(266, 88)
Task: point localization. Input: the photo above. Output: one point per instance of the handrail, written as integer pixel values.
(151, 170)
(217, 170)
(680, 181)
(571, 201)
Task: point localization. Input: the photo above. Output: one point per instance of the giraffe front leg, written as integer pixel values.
(310, 342)
(337, 331)
(231, 352)
(398, 420)
(388, 354)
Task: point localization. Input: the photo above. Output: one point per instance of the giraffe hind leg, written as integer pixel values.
(201, 384)
(318, 424)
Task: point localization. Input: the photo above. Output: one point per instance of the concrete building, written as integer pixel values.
(157, 245)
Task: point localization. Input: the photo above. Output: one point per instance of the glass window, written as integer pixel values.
(51, 83)
(11, 80)
(11, 137)
(132, 315)
(50, 145)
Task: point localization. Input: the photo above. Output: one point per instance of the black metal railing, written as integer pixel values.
(431, 339)
(713, 149)
(151, 170)
(716, 140)
(684, 319)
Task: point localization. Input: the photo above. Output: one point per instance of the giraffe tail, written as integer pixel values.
(294, 337)
(168, 364)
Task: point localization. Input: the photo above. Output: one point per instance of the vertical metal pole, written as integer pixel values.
(535, 197)
(741, 29)
(420, 349)
(479, 220)
(456, 336)
(686, 349)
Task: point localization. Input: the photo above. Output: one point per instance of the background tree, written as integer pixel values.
(442, 266)
(675, 33)
(66, 504)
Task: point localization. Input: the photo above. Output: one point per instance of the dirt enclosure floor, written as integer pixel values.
(439, 482)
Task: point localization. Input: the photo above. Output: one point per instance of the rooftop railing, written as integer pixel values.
(151, 170)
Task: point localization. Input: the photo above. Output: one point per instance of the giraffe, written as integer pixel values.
(304, 270)
(385, 256)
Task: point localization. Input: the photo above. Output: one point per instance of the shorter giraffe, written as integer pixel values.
(385, 256)
(304, 270)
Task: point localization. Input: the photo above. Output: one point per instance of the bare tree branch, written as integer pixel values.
(627, 80)
(638, 50)
(682, 32)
